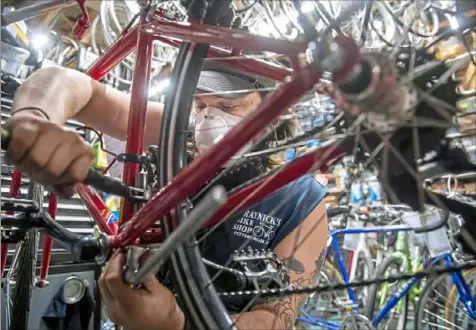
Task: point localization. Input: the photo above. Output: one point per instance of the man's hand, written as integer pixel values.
(47, 153)
(151, 307)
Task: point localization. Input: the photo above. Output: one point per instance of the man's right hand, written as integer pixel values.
(47, 153)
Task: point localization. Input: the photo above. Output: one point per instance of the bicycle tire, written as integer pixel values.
(25, 274)
(200, 302)
(450, 299)
(367, 273)
(369, 309)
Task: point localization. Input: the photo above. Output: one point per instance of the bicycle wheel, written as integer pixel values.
(327, 306)
(23, 273)
(397, 318)
(364, 271)
(200, 299)
(439, 306)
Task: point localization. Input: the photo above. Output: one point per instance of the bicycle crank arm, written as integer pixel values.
(82, 248)
(95, 178)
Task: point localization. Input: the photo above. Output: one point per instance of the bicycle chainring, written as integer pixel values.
(262, 269)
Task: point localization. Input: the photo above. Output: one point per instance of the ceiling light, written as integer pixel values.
(39, 40)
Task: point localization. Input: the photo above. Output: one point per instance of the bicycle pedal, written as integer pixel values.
(347, 305)
(253, 255)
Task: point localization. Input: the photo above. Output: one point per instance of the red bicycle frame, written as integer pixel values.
(296, 83)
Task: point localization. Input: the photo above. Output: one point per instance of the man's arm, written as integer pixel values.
(299, 250)
(64, 94)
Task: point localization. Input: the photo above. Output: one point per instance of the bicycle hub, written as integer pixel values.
(374, 88)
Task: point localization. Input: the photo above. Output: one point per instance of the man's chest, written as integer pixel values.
(253, 229)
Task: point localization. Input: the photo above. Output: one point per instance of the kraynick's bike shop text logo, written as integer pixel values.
(259, 227)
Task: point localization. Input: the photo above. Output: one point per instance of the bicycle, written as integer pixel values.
(392, 303)
(342, 64)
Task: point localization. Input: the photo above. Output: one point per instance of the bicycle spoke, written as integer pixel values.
(383, 168)
(417, 155)
(410, 170)
(442, 319)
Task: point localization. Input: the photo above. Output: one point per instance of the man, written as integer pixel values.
(295, 230)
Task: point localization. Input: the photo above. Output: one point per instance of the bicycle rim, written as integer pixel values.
(454, 311)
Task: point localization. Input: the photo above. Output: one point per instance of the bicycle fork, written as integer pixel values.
(465, 295)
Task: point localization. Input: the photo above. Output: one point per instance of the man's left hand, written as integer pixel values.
(151, 307)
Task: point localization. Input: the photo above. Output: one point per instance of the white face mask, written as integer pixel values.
(211, 125)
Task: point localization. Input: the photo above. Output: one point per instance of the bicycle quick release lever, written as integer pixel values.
(94, 178)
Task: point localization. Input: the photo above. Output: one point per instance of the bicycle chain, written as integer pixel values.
(283, 292)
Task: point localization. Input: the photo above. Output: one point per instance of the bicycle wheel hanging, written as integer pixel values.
(388, 118)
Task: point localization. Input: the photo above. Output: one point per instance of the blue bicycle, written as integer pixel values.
(353, 320)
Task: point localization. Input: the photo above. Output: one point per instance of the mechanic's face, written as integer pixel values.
(237, 107)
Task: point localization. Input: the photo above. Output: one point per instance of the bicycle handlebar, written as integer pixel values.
(94, 178)
(388, 211)
(39, 8)
(80, 28)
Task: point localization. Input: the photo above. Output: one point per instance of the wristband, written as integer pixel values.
(33, 108)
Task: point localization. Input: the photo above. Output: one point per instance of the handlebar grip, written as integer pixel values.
(94, 177)
(5, 138)
(107, 184)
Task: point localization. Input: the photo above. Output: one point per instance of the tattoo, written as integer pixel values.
(286, 309)
(317, 271)
(295, 265)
